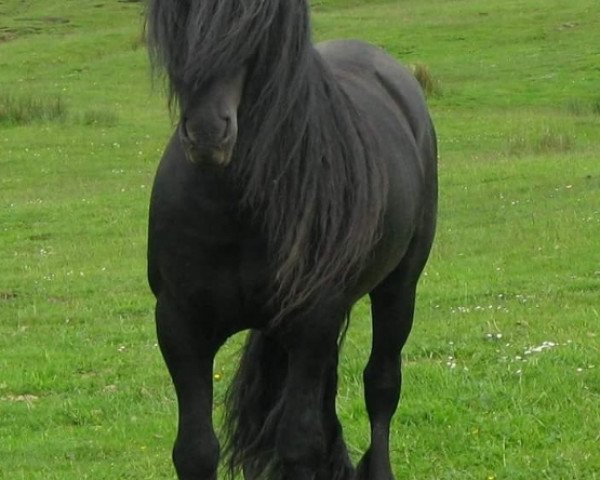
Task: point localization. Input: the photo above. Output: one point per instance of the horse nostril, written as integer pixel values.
(183, 129)
(227, 127)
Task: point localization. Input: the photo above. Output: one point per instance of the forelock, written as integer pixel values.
(195, 41)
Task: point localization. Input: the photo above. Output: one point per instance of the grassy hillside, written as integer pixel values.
(502, 373)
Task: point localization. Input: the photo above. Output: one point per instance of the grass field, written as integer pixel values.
(502, 372)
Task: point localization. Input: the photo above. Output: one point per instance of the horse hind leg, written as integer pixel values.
(392, 305)
(189, 357)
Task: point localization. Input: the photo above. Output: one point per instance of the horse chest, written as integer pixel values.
(210, 262)
(200, 250)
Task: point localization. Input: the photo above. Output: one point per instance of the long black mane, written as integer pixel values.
(305, 163)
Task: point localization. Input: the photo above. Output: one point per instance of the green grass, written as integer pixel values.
(26, 110)
(83, 391)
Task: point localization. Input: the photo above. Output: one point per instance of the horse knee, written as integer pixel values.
(382, 381)
(196, 459)
(383, 372)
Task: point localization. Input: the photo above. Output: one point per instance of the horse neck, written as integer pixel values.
(284, 111)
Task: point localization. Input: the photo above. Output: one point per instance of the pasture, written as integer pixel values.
(502, 371)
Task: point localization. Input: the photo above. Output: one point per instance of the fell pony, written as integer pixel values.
(300, 178)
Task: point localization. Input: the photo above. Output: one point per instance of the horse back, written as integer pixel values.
(383, 88)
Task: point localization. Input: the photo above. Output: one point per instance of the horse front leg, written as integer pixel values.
(189, 356)
(392, 311)
(301, 439)
(337, 465)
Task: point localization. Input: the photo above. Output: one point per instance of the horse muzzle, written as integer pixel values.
(205, 153)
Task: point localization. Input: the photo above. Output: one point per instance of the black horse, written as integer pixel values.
(299, 179)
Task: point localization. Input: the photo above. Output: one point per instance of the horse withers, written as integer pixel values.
(300, 178)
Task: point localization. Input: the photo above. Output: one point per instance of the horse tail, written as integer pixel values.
(253, 408)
